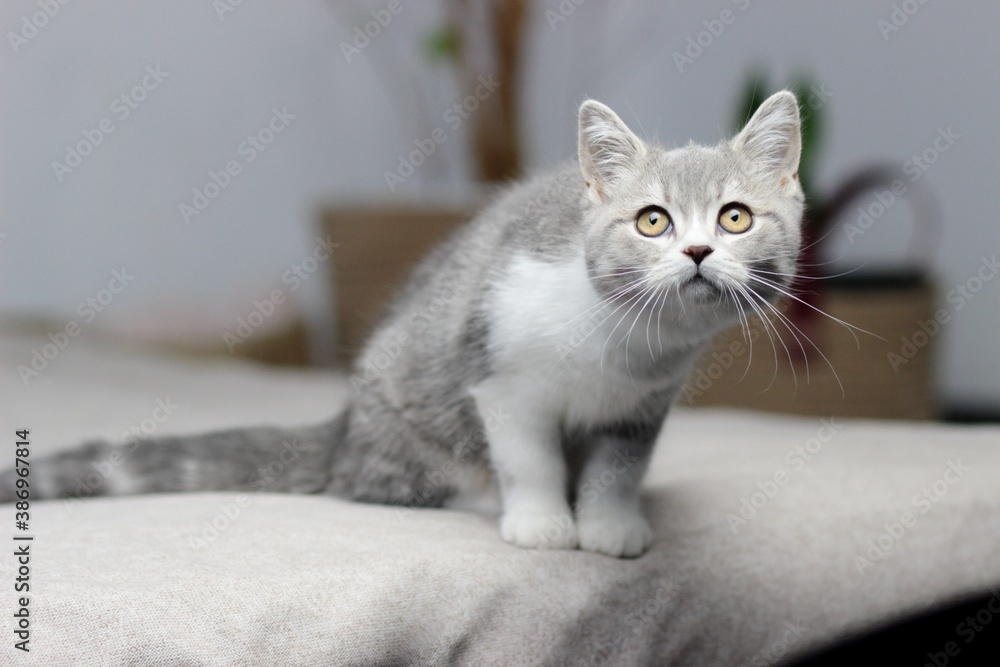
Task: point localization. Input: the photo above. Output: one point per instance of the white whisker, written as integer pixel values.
(620, 320)
(788, 323)
(663, 302)
(591, 332)
(784, 320)
(775, 286)
(764, 322)
(745, 329)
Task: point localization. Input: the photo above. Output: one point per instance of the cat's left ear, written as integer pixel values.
(772, 139)
(608, 149)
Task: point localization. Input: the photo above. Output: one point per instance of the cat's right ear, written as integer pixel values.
(772, 138)
(608, 149)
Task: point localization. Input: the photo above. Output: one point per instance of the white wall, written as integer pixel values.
(119, 208)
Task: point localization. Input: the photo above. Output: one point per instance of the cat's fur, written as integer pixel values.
(532, 358)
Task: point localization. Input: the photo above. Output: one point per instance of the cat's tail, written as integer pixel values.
(294, 460)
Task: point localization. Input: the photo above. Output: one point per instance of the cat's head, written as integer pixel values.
(708, 227)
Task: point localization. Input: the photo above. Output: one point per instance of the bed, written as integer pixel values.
(773, 536)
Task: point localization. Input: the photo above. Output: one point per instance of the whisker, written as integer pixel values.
(605, 301)
(797, 257)
(799, 289)
(659, 312)
(796, 276)
(788, 321)
(591, 332)
(847, 325)
(620, 320)
(745, 330)
(764, 322)
(785, 321)
(619, 273)
(649, 321)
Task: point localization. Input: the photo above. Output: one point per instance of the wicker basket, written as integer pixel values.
(878, 377)
(375, 259)
(379, 246)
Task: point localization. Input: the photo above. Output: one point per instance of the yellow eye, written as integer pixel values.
(652, 221)
(735, 218)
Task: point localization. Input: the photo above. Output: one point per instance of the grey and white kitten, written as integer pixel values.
(532, 358)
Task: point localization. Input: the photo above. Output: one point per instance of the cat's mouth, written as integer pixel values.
(701, 288)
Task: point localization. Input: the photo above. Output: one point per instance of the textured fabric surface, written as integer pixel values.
(281, 580)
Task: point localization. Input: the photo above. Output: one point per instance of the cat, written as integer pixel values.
(527, 366)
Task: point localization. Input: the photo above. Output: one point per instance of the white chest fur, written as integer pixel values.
(556, 343)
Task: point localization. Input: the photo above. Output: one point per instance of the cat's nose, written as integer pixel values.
(698, 252)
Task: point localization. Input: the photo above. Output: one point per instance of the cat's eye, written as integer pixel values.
(652, 221)
(735, 218)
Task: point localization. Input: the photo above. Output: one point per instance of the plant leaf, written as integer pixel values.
(441, 44)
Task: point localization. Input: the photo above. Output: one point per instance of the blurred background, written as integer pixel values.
(232, 176)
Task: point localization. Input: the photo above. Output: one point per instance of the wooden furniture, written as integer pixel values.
(380, 246)
(863, 375)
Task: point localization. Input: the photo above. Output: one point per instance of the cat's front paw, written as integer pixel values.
(614, 534)
(539, 530)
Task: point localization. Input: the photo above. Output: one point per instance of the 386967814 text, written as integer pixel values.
(22, 541)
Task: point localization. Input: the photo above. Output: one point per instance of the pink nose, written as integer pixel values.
(698, 252)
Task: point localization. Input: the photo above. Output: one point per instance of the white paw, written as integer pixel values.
(539, 530)
(615, 534)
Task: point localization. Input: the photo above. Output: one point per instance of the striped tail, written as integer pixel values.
(274, 460)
